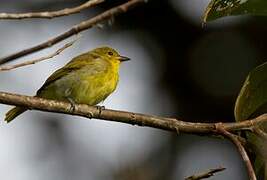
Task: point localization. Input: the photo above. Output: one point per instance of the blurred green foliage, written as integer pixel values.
(221, 8)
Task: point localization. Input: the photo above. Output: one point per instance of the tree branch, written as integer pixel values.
(34, 61)
(169, 124)
(83, 110)
(241, 149)
(205, 175)
(51, 14)
(75, 30)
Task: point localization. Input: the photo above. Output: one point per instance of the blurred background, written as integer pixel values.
(178, 69)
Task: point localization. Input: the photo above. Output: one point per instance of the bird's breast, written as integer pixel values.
(93, 89)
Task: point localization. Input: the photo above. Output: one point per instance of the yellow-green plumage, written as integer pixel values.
(88, 79)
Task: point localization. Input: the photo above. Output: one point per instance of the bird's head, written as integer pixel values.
(110, 54)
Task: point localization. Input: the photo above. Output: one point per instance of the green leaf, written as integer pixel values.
(252, 102)
(220, 8)
(252, 99)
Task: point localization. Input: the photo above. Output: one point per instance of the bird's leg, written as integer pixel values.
(90, 115)
(72, 104)
(100, 108)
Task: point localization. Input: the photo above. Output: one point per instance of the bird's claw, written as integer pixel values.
(90, 115)
(72, 108)
(72, 105)
(100, 109)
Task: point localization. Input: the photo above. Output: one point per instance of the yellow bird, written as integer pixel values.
(87, 79)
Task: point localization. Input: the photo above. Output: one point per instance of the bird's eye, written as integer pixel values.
(110, 53)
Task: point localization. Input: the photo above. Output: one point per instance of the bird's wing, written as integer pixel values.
(76, 63)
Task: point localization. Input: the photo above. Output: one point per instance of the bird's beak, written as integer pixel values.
(123, 58)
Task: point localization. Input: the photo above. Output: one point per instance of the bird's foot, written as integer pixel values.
(72, 105)
(100, 109)
(90, 115)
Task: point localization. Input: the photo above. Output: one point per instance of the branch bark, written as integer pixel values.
(51, 14)
(241, 149)
(75, 30)
(169, 124)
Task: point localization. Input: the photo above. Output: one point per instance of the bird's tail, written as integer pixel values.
(13, 113)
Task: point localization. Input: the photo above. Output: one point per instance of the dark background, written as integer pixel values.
(178, 69)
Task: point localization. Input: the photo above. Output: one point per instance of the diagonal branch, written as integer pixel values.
(26, 63)
(51, 14)
(206, 174)
(169, 124)
(220, 129)
(75, 30)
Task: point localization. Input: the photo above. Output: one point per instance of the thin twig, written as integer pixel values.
(51, 14)
(34, 61)
(220, 129)
(83, 110)
(75, 30)
(206, 174)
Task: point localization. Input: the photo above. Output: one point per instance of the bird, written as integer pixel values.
(88, 78)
